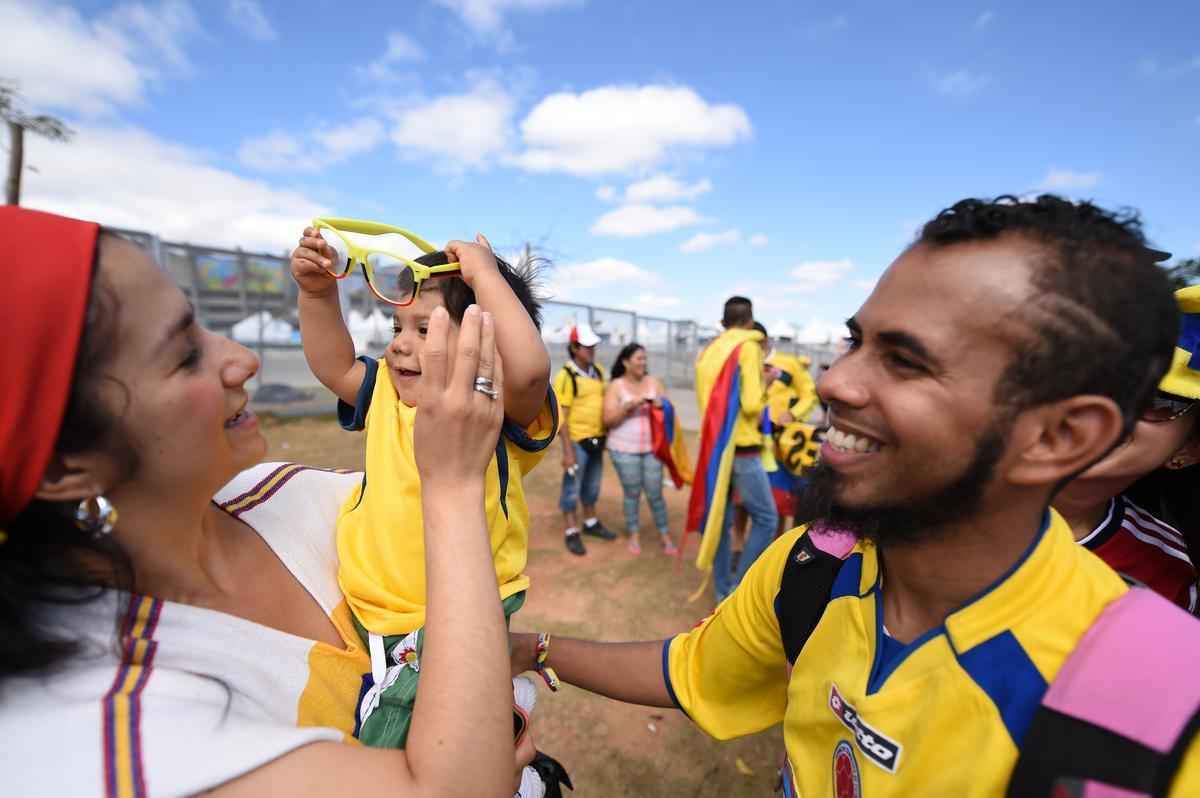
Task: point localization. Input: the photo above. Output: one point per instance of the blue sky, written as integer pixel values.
(662, 154)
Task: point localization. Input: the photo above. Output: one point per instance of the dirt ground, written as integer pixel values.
(610, 749)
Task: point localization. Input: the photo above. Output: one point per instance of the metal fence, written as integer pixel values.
(231, 289)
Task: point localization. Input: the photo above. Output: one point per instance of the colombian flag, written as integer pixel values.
(668, 444)
(714, 466)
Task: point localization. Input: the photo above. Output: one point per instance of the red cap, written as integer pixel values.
(44, 293)
(584, 335)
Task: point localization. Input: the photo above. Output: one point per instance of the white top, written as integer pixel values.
(185, 698)
(632, 436)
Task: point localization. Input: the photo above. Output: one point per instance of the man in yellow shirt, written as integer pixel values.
(793, 394)
(1012, 346)
(579, 386)
(747, 475)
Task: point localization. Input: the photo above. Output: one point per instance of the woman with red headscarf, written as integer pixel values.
(198, 641)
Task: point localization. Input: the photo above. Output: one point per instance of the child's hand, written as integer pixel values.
(474, 259)
(309, 263)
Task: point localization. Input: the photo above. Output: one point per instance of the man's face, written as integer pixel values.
(585, 355)
(915, 435)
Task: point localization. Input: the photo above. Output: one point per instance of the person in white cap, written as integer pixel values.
(579, 387)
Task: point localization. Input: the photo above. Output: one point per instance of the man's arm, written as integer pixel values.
(630, 672)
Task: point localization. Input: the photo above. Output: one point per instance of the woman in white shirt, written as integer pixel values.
(627, 402)
(199, 642)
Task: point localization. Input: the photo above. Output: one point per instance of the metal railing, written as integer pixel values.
(228, 286)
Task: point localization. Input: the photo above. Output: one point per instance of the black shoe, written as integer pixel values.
(598, 530)
(553, 774)
(575, 545)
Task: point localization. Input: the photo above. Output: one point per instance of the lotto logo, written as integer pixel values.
(876, 747)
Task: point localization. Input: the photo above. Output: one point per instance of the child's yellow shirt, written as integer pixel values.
(380, 530)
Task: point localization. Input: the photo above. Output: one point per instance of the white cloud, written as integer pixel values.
(279, 151)
(865, 285)
(706, 241)
(615, 129)
(581, 280)
(985, 19)
(401, 47)
(606, 193)
(272, 152)
(821, 331)
(127, 177)
(248, 17)
(1152, 67)
(459, 131)
(629, 221)
(814, 275)
(61, 60)
(486, 17)
(1066, 180)
(342, 142)
(664, 188)
(958, 82)
(655, 301)
(758, 240)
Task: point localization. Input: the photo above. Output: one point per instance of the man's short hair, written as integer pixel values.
(1101, 315)
(739, 312)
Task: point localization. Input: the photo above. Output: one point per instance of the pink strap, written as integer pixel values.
(1094, 789)
(832, 541)
(1134, 672)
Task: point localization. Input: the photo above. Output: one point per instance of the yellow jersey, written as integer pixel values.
(793, 391)
(583, 393)
(380, 530)
(747, 428)
(865, 715)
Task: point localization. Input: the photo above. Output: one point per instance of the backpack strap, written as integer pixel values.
(807, 582)
(1123, 709)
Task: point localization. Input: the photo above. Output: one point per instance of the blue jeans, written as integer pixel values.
(641, 473)
(585, 485)
(750, 481)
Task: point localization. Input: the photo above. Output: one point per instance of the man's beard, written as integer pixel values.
(913, 520)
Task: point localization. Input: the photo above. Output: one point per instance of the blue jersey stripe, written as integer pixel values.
(848, 578)
(1003, 670)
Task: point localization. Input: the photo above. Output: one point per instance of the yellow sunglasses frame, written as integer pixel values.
(358, 255)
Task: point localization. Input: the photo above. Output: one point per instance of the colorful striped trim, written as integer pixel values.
(124, 775)
(268, 486)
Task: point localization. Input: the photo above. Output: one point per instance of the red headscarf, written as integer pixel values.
(44, 289)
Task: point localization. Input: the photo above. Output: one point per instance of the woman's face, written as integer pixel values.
(636, 364)
(177, 390)
(1148, 448)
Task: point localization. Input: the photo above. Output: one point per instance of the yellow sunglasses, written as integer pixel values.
(391, 276)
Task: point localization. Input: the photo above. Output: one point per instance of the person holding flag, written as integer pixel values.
(630, 402)
(731, 390)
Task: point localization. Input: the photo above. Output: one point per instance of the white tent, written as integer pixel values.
(782, 330)
(273, 330)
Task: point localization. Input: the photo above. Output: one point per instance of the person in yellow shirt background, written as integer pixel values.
(793, 393)
(579, 386)
(732, 459)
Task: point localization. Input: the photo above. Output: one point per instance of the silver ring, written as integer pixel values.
(486, 387)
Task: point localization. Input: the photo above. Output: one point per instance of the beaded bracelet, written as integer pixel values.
(543, 653)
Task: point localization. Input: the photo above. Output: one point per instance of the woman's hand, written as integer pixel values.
(457, 426)
(473, 259)
(309, 263)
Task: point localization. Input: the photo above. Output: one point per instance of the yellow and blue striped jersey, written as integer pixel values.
(865, 715)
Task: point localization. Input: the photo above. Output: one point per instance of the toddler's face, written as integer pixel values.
(403, 354)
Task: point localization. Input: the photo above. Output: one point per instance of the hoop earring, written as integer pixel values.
(96, 516)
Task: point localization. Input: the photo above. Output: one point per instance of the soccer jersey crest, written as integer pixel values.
(846, 781)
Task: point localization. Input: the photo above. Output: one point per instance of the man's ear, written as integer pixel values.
(1055, 441)
(72, 478)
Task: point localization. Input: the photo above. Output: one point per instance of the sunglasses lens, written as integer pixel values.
(341, 256)
(394, 280)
